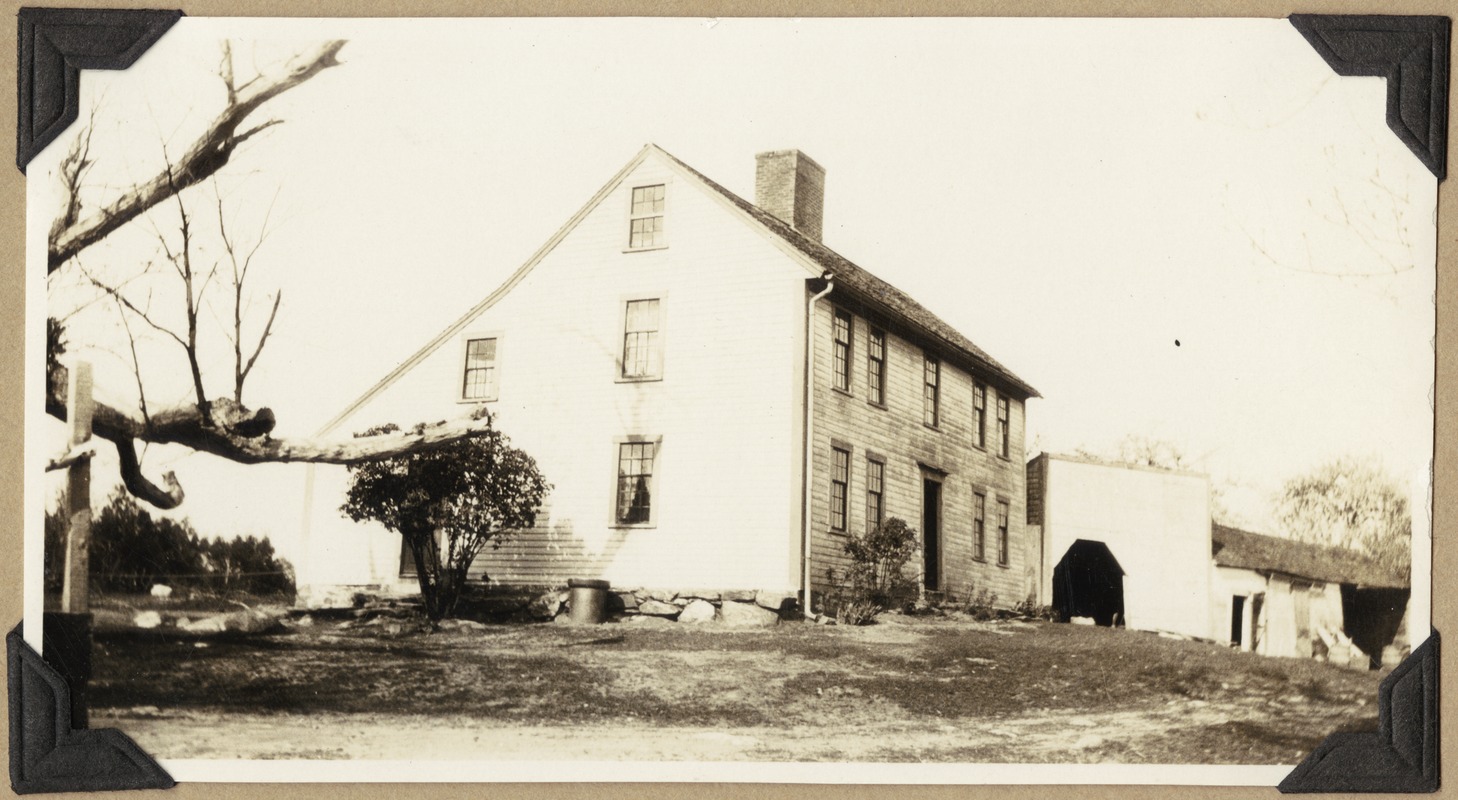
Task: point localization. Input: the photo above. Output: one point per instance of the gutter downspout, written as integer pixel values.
(809, 404)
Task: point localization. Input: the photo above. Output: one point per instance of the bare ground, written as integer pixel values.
(909, 689)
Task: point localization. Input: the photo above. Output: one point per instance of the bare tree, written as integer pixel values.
(222, 426)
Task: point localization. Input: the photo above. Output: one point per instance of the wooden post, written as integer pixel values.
(74, 589)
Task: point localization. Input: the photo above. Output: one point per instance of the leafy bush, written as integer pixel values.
(1030, 609)
(983, 605)
(875, 581)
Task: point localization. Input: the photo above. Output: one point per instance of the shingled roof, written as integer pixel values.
(1242, 549)
(862, 283)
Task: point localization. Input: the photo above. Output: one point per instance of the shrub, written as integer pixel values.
(983, 605)
(875, 580)
(1030, 609)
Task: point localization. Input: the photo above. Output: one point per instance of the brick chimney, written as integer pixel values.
(791, 186)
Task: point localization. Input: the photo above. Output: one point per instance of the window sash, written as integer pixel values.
(931, 391)
(645, 225)
(635, 482)
(842, 351)
(641, 355)
(876, 368)
(979, 527)
(875, 494)
(979, 407)
(1004, 426)
(478, 381)
(839, 484)
(1002, 514)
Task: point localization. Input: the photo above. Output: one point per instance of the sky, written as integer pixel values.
(1196, 231)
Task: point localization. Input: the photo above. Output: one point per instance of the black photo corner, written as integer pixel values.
(52, 747)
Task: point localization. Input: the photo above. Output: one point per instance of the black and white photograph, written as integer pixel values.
(867, 400)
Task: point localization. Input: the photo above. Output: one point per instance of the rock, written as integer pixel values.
(628, 599)
(648, 621)
(548, 605)
(700, 594)
(305, 621)
(162, 591)
(147, 619)
(738, 595)
(1088, 741)
(697, 611)
(775, 601)
(1082, 620)
(662, 595)
(250, 621)
(214, 624)
(658, 608)
(747, 615)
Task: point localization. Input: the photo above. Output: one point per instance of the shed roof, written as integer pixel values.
(1233, 547)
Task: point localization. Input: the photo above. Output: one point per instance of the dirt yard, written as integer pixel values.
(907, 689)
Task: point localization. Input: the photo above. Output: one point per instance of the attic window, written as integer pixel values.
(645, 226)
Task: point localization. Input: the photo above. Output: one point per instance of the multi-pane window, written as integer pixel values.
(841, 352)
(931, 391)
(635, 482)
(979, 414)
(875, 493)
(479, 382)
(645, 227)
(1004, 427)
(642, 357)
(1002, 532)
(876, 367)
(839, 484)
(979, 526)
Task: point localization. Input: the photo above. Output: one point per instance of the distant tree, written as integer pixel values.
(448, 503)
(1352, 503)
(1148, 451)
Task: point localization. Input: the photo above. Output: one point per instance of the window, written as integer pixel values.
(840, 377)
(635, 482)
(1002, 532)
(979, 526)
(876, 368)
(479, 382)
(642, 354)
(1004, 427)
(839, 483)
(875, 493)
(979, 414)
(645, 226)
(931, 391)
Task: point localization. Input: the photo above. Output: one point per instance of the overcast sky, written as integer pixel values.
(1195, 230)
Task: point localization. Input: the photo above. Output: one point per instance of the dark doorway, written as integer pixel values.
(1088, 582)
(1237, 617)
(931, 533)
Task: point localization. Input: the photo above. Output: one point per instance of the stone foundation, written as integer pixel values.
(734, 608)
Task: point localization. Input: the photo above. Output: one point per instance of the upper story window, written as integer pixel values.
(1002, 532)
(642, 345)
(979, 413)
(979, 526)
(841, 351)
(876, 367)
(479, 382)
(1004, 427)
(931, 391)
(634, 504)
(645, 225)
(839, 485)
(875, 493)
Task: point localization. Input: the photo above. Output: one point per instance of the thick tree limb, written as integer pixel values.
(205, 157)
(239, 434)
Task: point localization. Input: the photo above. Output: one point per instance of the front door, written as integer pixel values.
(931, 533)
(1237, 621)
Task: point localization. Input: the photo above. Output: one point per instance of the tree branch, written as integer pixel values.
(205, 157)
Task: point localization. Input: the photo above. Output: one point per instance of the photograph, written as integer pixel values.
(922, 400)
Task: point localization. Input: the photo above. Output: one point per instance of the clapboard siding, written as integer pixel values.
(897, 434)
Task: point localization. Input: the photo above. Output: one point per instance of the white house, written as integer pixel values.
(653, 357)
